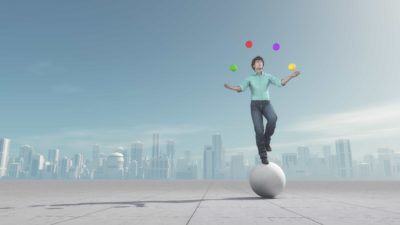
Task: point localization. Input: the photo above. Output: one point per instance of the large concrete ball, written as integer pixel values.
(267, 181)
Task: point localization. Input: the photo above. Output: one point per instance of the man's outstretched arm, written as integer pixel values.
(233, 88)
(284, 81)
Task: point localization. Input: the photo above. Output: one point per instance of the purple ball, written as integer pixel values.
(276, 46)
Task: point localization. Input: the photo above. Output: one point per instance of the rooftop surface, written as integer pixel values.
(196, 202)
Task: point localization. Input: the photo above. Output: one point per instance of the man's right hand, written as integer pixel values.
(234, 88)
(295, 73)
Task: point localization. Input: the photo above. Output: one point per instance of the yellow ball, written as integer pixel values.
(292, 67)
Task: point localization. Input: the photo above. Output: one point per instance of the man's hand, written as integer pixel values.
(235, 88)
(295, 74)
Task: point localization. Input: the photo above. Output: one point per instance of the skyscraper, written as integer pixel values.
(53, 157)
(219, 155)
(14, 169)
(78, 165)
(171, 157)
(137, 155)
(26, 153)
(344, 158)
(37, 165)
(155, 157)
(65, 167)
(208, 162)
(4, 155)
(156, 148)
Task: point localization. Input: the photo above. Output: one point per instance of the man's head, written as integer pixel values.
(257, 63)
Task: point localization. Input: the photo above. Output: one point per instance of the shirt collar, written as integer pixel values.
(262, 73)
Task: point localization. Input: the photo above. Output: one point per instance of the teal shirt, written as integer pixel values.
(259, 85)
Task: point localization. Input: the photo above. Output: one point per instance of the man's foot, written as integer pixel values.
(264, 160)
(268, 148)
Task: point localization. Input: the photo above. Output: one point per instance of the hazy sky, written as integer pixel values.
(77, 73)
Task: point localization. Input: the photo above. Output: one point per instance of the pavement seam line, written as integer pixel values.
(198, 205)
(288, 210)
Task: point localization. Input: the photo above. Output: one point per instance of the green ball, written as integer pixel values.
(234, 67)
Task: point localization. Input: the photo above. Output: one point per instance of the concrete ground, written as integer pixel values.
(196, 202)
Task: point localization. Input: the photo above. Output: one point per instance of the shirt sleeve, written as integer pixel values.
(275, 81)
(244, 85)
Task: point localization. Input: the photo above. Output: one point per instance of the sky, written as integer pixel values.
(78, 73)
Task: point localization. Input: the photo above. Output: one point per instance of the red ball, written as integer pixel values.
(249, 44)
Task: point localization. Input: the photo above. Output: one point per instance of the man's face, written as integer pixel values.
(258, 65)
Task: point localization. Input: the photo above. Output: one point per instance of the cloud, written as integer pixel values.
(366, 125)
(376, 121)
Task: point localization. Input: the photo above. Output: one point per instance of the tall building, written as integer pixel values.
(344, 158)
(26, 153)
(37, 165)
(4, 155)
(219, 155)
(14, 170)
(137, 155)
(53, 157)
(171, 157)
(78, 162)
(208, 162)
(65, 167)
(155, 154)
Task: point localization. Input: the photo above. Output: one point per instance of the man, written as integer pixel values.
(260, 103)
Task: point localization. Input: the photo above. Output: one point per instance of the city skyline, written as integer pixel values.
(162, 163)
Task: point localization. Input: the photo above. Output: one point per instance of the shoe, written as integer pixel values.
(268, 148)
(264, 160)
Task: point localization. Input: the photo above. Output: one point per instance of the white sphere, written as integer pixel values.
(267, 180)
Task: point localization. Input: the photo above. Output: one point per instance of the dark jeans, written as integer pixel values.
(260, 108)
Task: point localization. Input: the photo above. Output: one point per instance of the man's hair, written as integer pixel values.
(255, 59)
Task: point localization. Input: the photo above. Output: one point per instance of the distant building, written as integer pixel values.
(208, 162)
(115, 165)
(37, 165)
(344, 158)
(137, 155)
(4, 155)
(14, 170)
(219, 155)
(26, 154)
